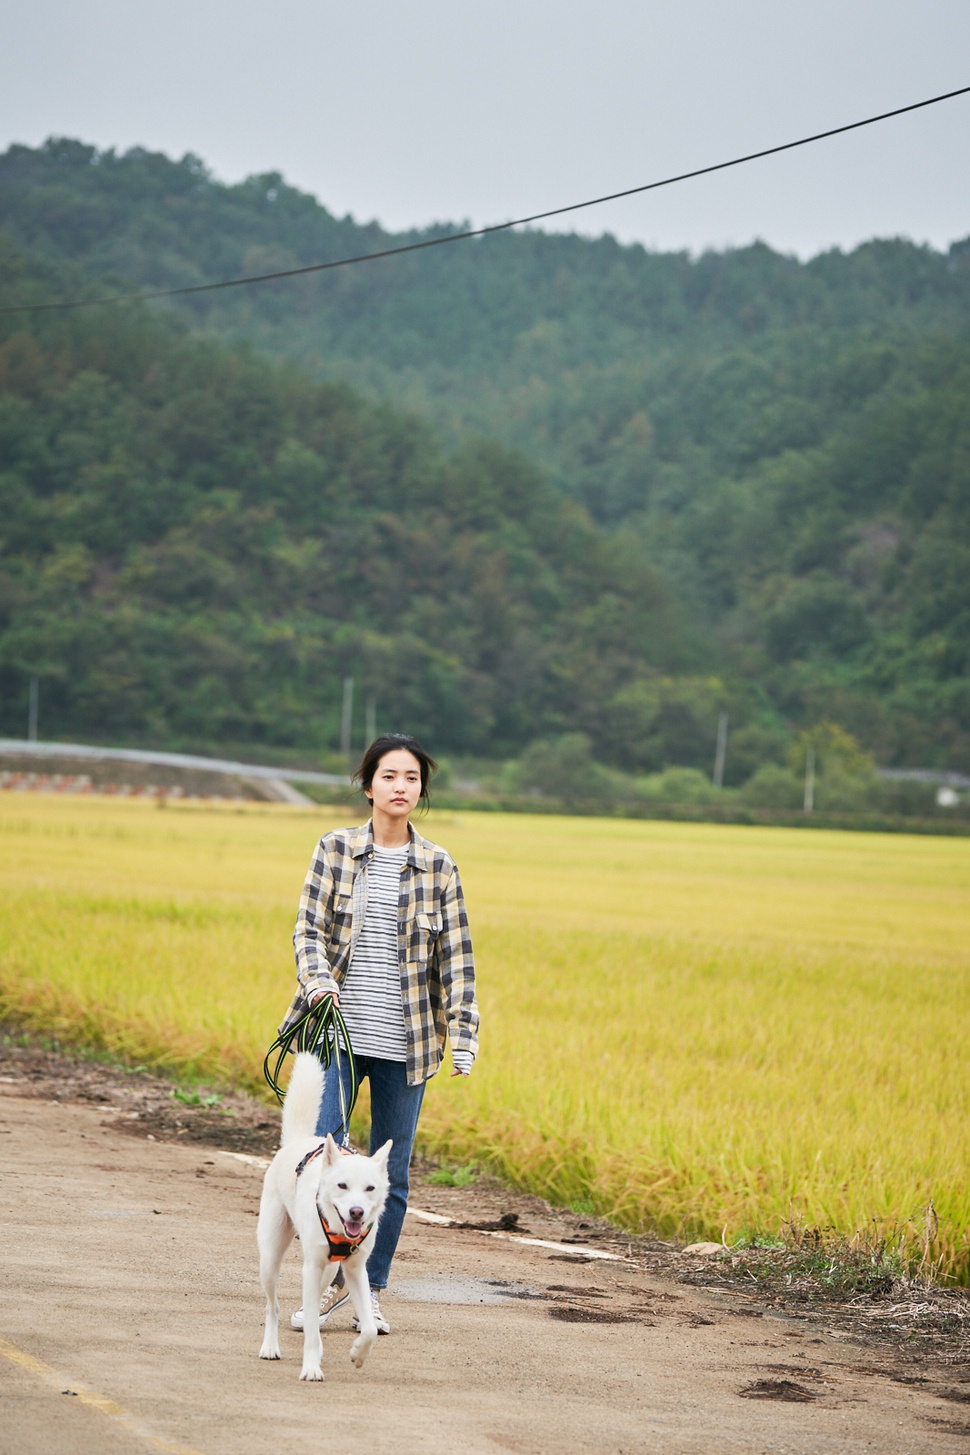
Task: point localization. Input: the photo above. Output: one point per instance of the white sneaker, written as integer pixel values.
(334, 1297)
(383, 1327)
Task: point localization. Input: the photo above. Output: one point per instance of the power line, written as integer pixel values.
(453, 237)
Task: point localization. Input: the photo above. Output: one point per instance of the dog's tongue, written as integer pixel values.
(353, 1229)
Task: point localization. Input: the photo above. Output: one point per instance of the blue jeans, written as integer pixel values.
(394, 1110)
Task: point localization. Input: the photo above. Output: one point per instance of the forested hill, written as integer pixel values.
(197, 546)
(624, 372)
(783, 448)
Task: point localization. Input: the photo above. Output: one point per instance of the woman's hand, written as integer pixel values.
(318, 995)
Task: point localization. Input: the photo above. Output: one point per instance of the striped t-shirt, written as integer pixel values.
(371, 1002)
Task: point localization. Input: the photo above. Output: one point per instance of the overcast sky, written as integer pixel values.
(442, 110)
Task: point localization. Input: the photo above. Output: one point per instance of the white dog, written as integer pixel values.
(333, 1200)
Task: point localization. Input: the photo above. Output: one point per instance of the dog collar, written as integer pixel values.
(339, 1244)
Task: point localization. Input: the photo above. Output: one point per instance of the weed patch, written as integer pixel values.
(454, 1176)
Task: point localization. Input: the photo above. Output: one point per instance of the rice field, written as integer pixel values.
(690, 1028)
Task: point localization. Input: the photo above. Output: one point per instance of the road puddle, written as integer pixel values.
(461, 1290)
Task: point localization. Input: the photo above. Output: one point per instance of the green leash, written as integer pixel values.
(320, 1030)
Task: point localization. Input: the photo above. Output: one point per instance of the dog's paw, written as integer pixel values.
(360, 1349)
(311, 1372)
(269, 1351)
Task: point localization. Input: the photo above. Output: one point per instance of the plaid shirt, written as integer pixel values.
(434, 945)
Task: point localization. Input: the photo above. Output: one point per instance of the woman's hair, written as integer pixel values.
(391, 743)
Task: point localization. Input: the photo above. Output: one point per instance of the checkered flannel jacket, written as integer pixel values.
(437, 969)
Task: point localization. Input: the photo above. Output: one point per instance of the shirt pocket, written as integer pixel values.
(423, 932)
(341, 920)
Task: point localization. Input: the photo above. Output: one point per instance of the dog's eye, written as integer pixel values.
(369, 1189)
(342, 1186)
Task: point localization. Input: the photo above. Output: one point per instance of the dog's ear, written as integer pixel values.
(332, 1151)
(382, 1153)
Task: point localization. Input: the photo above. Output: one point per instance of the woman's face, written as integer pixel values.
(397, 784)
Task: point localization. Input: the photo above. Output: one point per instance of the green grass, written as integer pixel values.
(194, 1096)
(454, 1176)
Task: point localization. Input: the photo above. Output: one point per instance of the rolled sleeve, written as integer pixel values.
(456, 966)
(313, 969)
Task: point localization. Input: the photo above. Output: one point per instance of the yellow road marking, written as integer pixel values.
(89, 1397)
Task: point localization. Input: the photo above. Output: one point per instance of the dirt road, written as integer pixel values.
(132, 1316)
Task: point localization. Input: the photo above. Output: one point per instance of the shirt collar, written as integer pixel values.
(362, 845)
(362, 841)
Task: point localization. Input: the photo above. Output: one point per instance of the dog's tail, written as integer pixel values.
(303, 1096)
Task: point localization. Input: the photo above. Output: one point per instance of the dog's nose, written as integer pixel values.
(357, 1214)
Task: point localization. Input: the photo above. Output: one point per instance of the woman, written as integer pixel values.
(382, 929)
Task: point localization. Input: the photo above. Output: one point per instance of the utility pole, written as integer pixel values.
(810, 780)
(347, 716)
(32, 706)
(370, 721)
(720, 752)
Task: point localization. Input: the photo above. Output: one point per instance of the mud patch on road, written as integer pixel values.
(568, 1313)
(223, 1130)
(784, 1389)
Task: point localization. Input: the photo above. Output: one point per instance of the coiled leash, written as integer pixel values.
(320, 1030)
